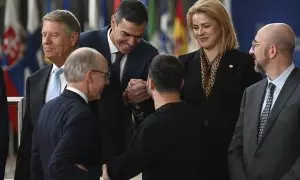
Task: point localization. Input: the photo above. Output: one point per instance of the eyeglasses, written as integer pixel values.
(106, 74)
(254, 44)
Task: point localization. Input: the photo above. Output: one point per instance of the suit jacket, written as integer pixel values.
(165, 146)
(66, 133)
(276, 156)
(117, 116)
(4, 122)
(36, 86)
(219, 113)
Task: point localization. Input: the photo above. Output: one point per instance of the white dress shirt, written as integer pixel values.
(278, 82)
(113, 49)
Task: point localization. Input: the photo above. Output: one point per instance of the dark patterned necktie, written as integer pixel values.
(115, 69)
(266, 111)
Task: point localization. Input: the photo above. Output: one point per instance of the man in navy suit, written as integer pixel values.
(66, 138)
(129, 57)
(3, 126)
(60, 34)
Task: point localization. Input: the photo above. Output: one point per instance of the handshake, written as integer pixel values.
(136, 92)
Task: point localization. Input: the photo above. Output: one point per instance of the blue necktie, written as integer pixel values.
(54, 85)
(265, 113)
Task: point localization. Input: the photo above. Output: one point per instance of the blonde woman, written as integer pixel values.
(216, 76)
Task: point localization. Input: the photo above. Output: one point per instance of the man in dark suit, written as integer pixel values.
(129, 57)
(66, 138)
(60, 33)
(166, 144)
(266, 141)
(4, 124)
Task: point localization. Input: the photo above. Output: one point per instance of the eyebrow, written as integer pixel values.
(128, 34)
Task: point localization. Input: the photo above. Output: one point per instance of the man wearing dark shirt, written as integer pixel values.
(166, 145)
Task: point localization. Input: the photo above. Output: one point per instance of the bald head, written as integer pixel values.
(81, 61)
(280, 34)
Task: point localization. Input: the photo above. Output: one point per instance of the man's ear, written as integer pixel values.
(113, 21)
(150, 84)
(74, 38)
(273, 51)
(89, 77)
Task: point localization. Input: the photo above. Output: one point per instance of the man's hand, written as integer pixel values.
(104, 172)
(136, 91)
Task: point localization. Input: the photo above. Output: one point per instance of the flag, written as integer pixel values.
(11, 52)
(165, 37)
(93, 14)
(153, 27)
(32, 58)
(116, 4)
(11, 46)
(146, 2)
(19, 51)
(180, 34)
(104, 20)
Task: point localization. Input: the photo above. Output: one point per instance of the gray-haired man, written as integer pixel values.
(66, 137)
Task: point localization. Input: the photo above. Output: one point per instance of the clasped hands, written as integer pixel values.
(136, 92)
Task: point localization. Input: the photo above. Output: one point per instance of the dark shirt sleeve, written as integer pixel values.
(4, 124)
(79, 138)
(146, 146)
(146, 107)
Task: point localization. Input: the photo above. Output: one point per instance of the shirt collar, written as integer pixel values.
(113, 49)
(78, 92)
(54, 67)
(280, 80)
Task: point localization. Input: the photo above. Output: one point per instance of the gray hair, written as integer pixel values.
(65, 17)
(80, 62)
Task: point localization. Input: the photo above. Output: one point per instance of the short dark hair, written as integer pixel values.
(167, 73)
(133, 11)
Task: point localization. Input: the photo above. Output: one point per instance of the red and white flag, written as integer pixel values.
(11, 37)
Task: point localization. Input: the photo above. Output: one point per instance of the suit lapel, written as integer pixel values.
(196, 76)
(282, 98)
(38, 89)
(134, 66)
(258, 98)
(104, 46)
(223, 73)
(43, 84)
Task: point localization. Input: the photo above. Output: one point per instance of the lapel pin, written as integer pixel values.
(230, 66)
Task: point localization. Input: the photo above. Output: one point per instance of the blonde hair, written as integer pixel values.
(65, 17)
(214, 9)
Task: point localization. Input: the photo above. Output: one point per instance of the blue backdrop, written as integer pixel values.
(249, 15)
